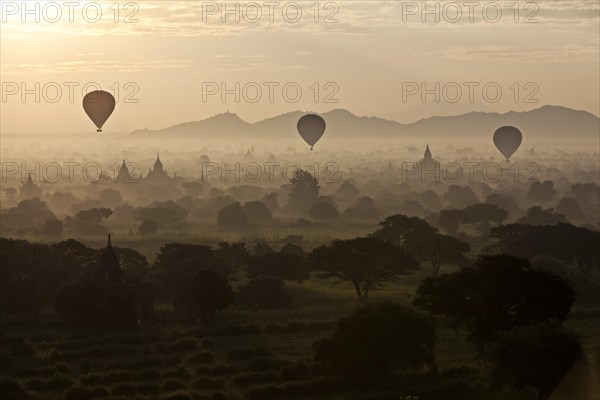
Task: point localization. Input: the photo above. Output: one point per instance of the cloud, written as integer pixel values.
(91, 66)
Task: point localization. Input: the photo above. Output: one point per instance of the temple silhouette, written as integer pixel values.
(427, 165)
(156, 175)
(113, 279)
(30, 189)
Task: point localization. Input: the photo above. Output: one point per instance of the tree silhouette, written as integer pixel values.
(52, 227)
(208, 293)
(498, 294)
(284, 265)
(21, 298)
(376, 339)
(538, 216)
(323, 209)
(232, 216)
(538, 356)
(563, 241)
(365, 262)
(79, 301)
(422, 241)
(542, 192)
(257, 211)
(148, 227)
(94, 215)
(265, 292)
(304, 191)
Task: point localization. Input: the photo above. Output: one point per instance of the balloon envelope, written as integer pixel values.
(508, 140)
(99, 105)
(311, 127)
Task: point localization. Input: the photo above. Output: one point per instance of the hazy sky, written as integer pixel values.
(368, 55)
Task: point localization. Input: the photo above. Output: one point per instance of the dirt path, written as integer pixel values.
(581, 383)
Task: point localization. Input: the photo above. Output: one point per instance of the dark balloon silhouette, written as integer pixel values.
(99, 105)
(311, 127)
(508, 139)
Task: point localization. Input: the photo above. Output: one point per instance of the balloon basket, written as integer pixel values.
(98, 130)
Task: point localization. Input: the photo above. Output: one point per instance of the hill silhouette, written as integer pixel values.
(554, 123)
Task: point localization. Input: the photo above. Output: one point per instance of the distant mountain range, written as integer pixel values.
(548, 123)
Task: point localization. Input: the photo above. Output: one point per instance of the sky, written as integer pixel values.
(169, 62)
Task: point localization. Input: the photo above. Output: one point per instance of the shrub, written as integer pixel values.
(254, 378)
(131, 389)
(12, 389)
(202, 357)
(184, 344)
(207, 383)
(240, 354)
(297, 371)
(217, 370)
(63, 368)
(290, 389)
(21, 297)
(20, 347)
(180, 372)
(108, 378)
(149, 375)
(173, 384)
(179, 395)
(81, 392)
(85, 366)
(56, 383)
(264, 364)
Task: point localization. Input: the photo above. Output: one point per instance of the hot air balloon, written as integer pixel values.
(508, 140)
(99, 105)
(311, 127)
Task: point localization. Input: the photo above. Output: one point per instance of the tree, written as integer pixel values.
(232, 216)
(94, 215)
(304, 191)
(538, 356)
(460, 196)
(257, 211)
(265, 292)
(148, 227)
(170, 253)
(284, 265)
(402, 230)
(79, 301)
(562, 241)
(483, 213)
(503, 201)
(569, 207)
(52, 227)
(498, 294)
(21, 298)
(441, 249)
(111, 197)
(323, 209)
(271, 200)
(538, 216)
(363, 208)
(167, 213)
(542, 192)
(116, 308)
(208, 293)
(422, 241)
(366, 262)
(376, 339)
(450, 220)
